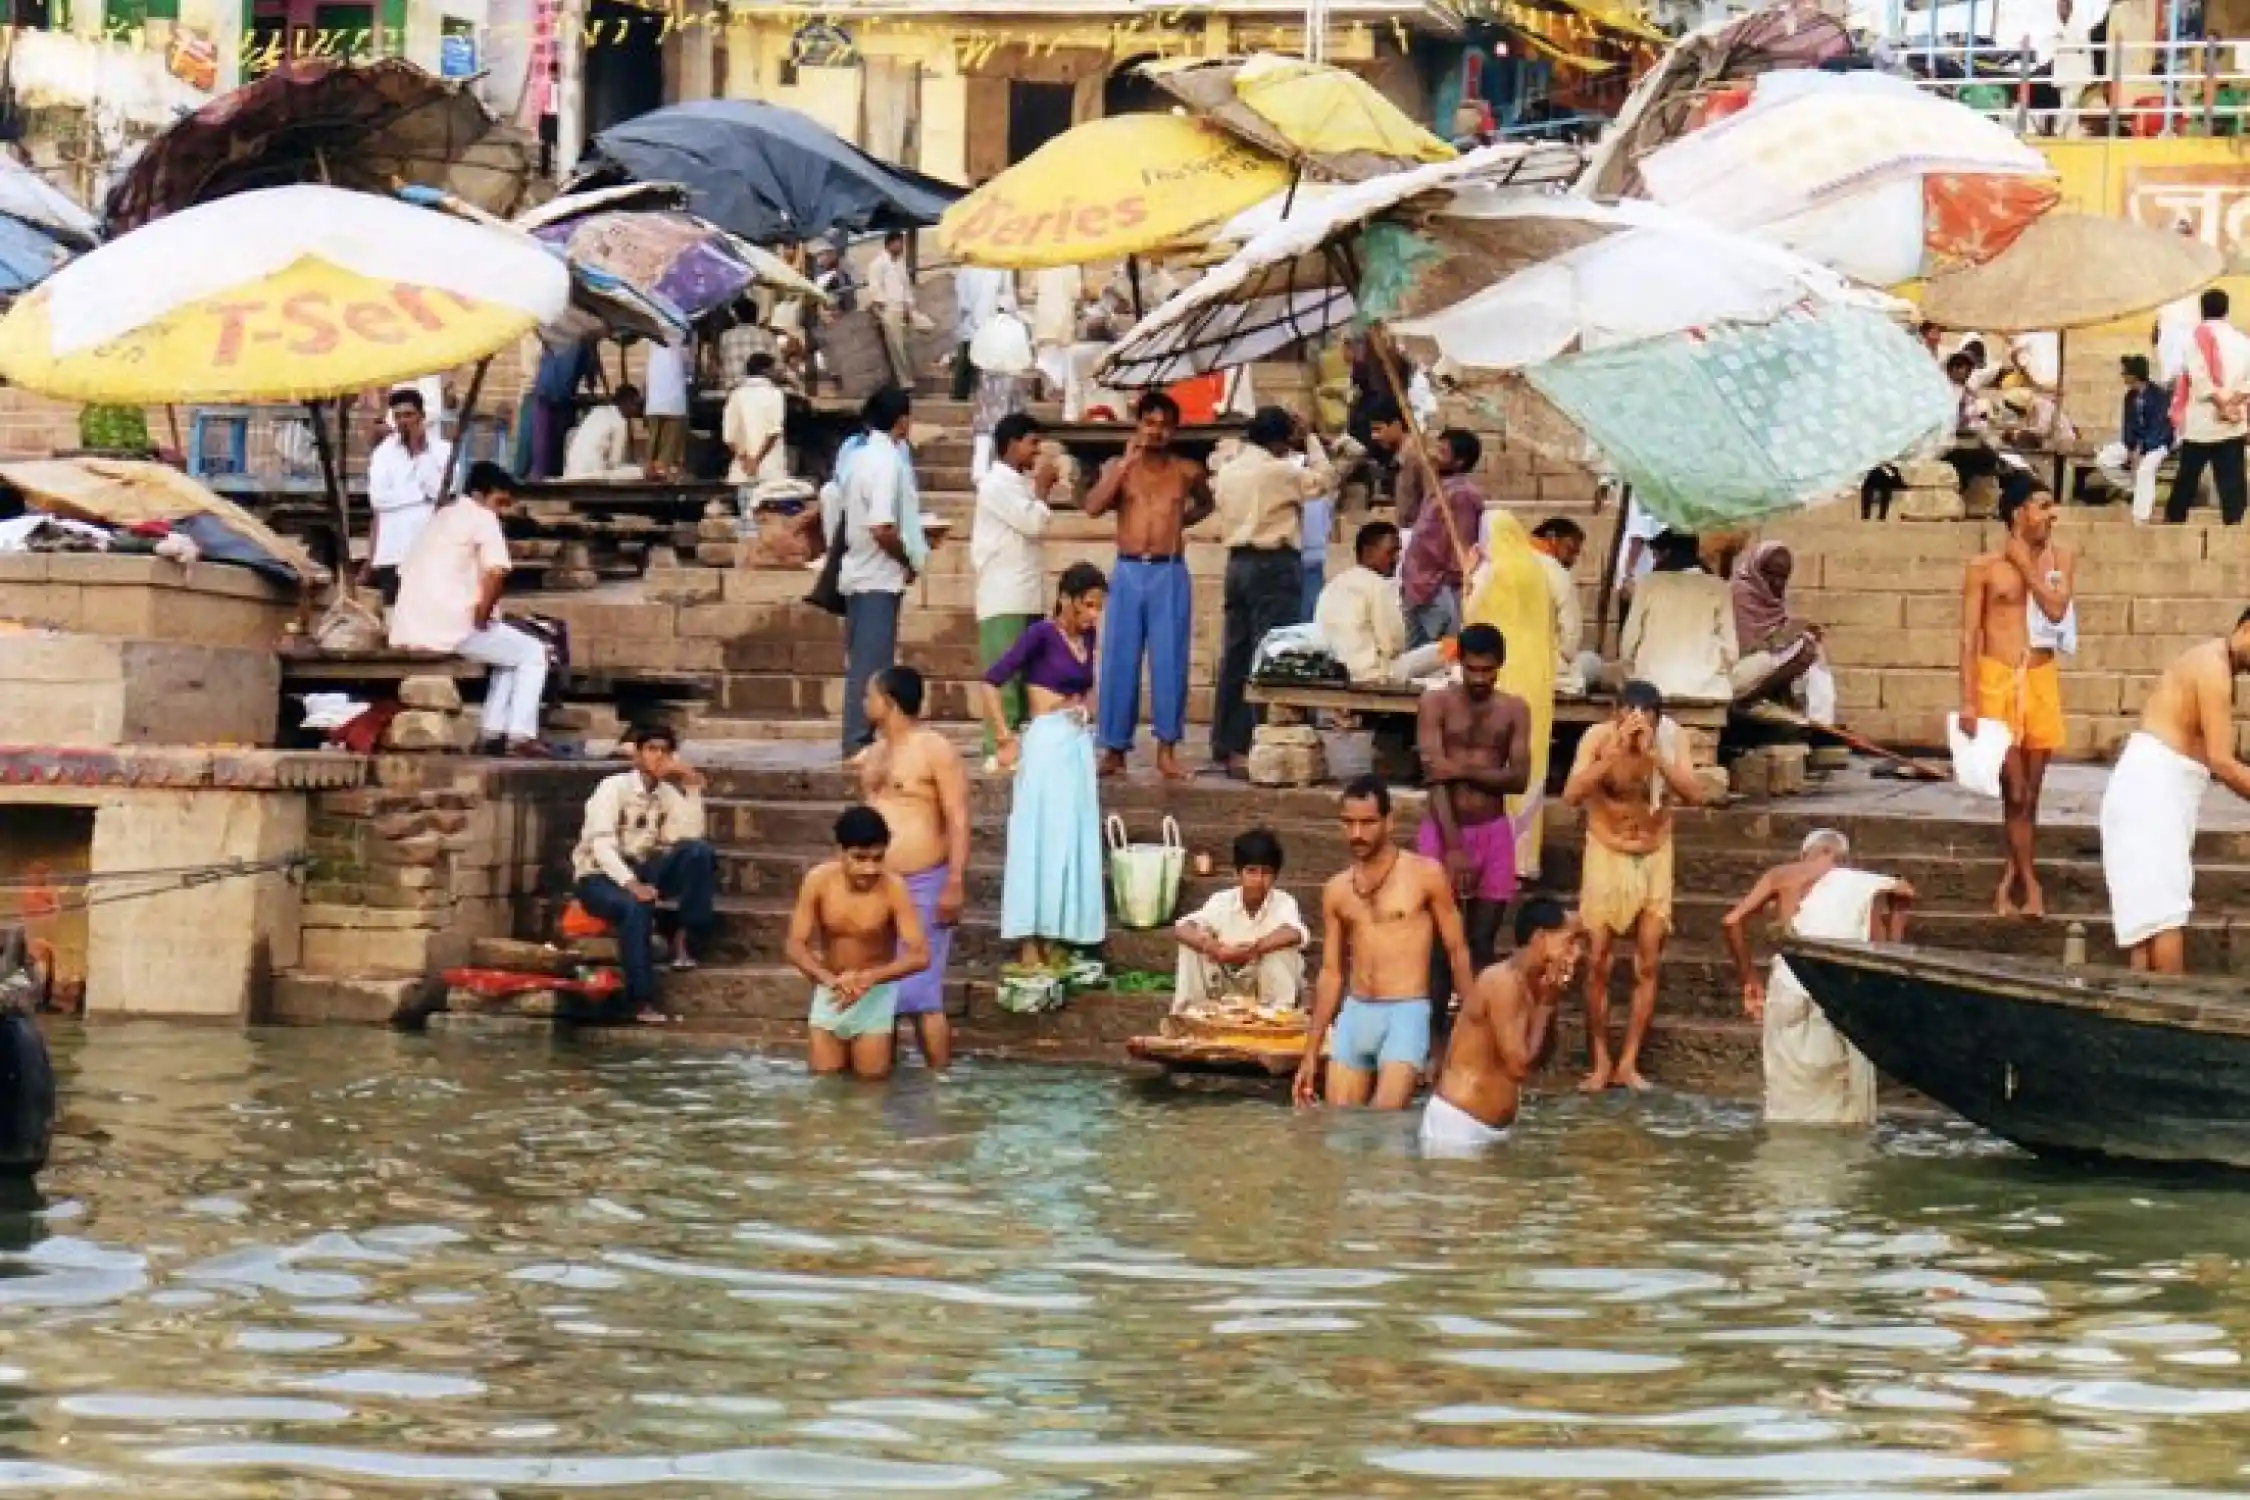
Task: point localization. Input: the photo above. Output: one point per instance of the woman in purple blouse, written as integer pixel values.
(1052, 892)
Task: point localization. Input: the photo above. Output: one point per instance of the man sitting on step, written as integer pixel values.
(642, 844)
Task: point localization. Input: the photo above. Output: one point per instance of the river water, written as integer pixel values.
(327, 1263)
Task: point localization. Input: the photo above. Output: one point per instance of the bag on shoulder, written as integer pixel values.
(827, 590)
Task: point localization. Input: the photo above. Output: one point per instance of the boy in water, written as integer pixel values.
(868, 936)
(1501, 1032)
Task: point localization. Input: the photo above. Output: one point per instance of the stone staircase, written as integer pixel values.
(771, 820)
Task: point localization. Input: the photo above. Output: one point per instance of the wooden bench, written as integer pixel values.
(1703, 722)
(305, 665)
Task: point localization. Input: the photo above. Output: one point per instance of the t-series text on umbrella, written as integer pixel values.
(999, 222)
(312, 320)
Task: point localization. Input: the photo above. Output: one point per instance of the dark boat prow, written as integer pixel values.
(27, 1073)
(2098, 1064)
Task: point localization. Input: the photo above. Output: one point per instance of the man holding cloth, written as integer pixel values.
(1260, 494)
(405, 475)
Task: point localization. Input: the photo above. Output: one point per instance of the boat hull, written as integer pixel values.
(2076, 1063)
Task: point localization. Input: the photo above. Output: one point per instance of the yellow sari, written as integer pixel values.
(1514, 600)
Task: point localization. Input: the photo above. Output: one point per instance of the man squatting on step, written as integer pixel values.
(2155, 795)
(1506, 1020)
(642, 844)
(913, 776)
(1380, 919)
(855, 934)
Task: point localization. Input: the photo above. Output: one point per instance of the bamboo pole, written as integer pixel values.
(461, 429)
(1611, 567)
(339, 504)
(1379, 344)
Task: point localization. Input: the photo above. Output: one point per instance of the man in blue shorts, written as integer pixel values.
(1381, 917)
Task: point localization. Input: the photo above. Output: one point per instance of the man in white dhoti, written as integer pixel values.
(1814, 1076)
(2155, 796)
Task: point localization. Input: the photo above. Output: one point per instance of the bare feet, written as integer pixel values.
(1168, 763)
(2003, 899)
(2034, 901)
(1629, 1074)
(1112, 763)
(1596, 1081)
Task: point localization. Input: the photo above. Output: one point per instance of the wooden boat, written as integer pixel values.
(2092, 1064)
(1238, 1047)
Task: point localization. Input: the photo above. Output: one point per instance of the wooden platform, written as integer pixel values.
(1703, 721)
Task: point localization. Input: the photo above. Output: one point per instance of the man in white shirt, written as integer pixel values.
(979, 293)
(1680, 635)
(449, 587)
(873, 502)
(666, 407)
(1361, 619)
(1011, 517)
(2062, 46)
(405, 475)
(602, 443)
(642, 843)
(755, 425)
(2217, 419)
(890, 288)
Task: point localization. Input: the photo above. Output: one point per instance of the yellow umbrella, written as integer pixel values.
(290, 293)
(1324, 118)
(1125, 185)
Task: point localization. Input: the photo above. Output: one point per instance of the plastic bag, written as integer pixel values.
(1144, 878)
(350, 624)
(1976, 762)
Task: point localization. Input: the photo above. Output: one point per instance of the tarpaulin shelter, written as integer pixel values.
(365, 125)
(764, 172)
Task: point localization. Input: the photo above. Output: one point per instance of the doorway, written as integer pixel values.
(1037, 113)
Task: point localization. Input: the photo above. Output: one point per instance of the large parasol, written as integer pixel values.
(1322, 119)
(372, 126)
(2073, 271)
(289, 293)
(764, 172)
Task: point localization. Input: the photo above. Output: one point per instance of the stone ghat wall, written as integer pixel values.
(435, 852)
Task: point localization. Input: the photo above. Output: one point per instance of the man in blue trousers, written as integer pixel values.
(1157, 494)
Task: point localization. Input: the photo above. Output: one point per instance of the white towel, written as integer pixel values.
(2149, 815)
(1814, 1076)
(1977, 762)
(2059, 636)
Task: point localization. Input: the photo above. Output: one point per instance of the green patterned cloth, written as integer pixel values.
(113, 429)
(1715, 430)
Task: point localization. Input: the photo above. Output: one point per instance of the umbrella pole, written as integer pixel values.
(1133, 281)
(338, 503)
(1611, 567)
(1379, 343)
(461, 420)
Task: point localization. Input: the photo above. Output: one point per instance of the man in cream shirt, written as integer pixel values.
(1260, 495)
(1011, 517)
(642, 843)
(603, 439)
(1360, 617)
(1679, 634)
(755, 425)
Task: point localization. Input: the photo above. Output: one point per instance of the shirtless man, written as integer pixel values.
(860, 919)
(1628, 775)
(2015, 612)
(2150, 808)
(1158, 495)
(1503, 1029)
(914, 777)
(1475, 744)
(1383, 916)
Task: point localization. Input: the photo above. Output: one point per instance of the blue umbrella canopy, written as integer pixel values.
(765, 172)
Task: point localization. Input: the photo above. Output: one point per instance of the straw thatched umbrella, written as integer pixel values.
(2072, 271)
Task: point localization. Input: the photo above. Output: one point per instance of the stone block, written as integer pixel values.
(437, 694)
(340, 1000)
(720, 621)
(678, 585)
(716, 554)
(2209, 616)
(87, 690)
(1893, 648)
(374, 919)
(419, 729)
(522, 958)
(1838, 609)
(380, 952)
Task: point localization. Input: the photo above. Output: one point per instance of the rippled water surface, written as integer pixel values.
(325, 1264)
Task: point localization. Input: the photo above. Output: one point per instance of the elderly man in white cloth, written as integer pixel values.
(2155, 797)
(1813, 1075)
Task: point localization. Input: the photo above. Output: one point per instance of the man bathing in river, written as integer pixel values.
(913, 776)
(1475, 744)
(1505, 1021)
(1629, 774)
(1382, 917)
(2154, 797)
(1157, 494)
(855, 934)
(2016, 615)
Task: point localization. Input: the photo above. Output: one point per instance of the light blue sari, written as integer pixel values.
(1054, 886)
